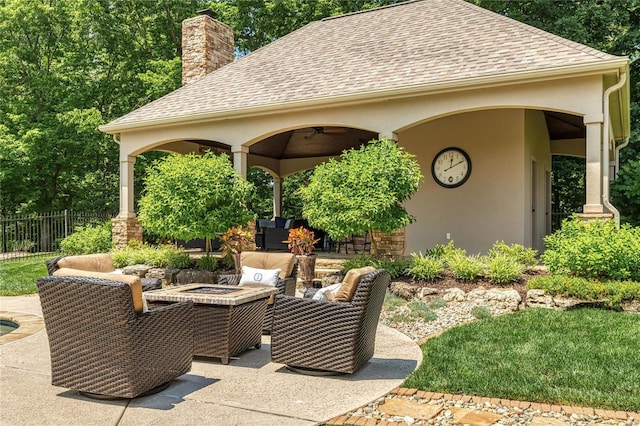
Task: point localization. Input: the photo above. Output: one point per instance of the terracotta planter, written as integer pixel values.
(307, 269)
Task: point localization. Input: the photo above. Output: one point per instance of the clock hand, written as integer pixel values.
(453, 165)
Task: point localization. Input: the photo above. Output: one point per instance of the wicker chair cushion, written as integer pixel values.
(282, 261)
(88, 262)
(350, 283)
(259, 276)
(133, 282)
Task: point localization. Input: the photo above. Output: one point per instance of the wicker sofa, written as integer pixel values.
(104, 345)
(286, 283)
(330, 336)
(100, 263)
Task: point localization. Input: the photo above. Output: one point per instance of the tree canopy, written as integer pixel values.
(194, 196)
(363, 191)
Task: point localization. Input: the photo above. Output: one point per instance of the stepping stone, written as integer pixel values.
(547, 421)
(404, 407)
(474, 418)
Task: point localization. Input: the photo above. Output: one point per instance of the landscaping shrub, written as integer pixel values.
(437, 304)
(88, 240)
(425, 267)
(157, 256)
(395, 267)
(502, 270)
(359, 261)
(440, 251)
(481, 312)
(208, 263)
(594, 250)
(612, 292)
(519, 253)
(467, 268)
(421, 310)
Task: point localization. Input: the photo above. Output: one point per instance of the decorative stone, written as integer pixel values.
(631, 306)
(332, 278)
(454, 295)
(538, 298)
(504, 300)
(405, 407)
(137, 270)
(403, 290)
(170, 276)
(427, 293)
(188, 276)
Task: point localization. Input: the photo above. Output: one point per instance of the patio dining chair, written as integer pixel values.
(337, 336)
(102, 342)
(285, 282)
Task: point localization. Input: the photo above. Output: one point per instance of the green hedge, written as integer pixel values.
(613, 292)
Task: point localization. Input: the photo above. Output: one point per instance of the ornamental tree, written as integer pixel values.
(362, 192)
(194, 196)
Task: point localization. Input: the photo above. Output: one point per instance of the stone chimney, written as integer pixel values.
(207, 44)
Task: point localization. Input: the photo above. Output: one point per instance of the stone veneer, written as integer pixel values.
(389, 244)
(207, 45)
(124, 230)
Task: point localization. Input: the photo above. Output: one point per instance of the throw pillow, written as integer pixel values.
(350, 283)
(326, 294)
(259, 276)
(280, 222)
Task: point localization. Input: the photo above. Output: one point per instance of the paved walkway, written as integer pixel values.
(251, 390)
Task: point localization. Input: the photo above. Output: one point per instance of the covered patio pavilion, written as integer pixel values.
(506, 94)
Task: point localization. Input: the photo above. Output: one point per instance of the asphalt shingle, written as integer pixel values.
(412, 44)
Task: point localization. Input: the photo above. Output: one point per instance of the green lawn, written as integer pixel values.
(19, 276)
(585, 357)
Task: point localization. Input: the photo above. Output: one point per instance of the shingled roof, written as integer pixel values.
(414, 45)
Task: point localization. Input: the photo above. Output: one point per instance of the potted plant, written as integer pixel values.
(232, 242)
(300, 243)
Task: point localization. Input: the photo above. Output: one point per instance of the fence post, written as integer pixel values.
(66, 234)
(4, 235)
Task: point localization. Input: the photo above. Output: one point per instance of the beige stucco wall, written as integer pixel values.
(490, 205)
(537, 185)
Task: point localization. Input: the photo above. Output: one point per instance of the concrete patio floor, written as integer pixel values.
(251, 390)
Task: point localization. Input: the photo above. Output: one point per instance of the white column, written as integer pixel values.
(593, 182)
(126, 187)
(240, 159)
(277, 197)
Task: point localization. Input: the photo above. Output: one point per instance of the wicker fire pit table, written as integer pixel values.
(228, 318)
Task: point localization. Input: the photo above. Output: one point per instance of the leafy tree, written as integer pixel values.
(626, 193)
(262, 203)
(191, 196)
(292, 204)
(362, 192)
(257, 23)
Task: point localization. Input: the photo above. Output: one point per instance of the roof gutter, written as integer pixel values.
(605, 151)
(406, 91)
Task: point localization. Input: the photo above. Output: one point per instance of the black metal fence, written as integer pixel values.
(31, 235)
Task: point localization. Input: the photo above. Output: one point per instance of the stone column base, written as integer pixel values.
(591, 217)
(126, 229)
(389, 244)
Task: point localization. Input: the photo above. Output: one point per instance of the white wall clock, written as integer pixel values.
(451, 167)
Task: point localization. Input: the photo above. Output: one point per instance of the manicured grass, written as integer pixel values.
(584, 357)
(19, 276)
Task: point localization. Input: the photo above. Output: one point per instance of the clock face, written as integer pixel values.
(451, 167)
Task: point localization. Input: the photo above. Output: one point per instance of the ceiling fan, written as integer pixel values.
(323, 130)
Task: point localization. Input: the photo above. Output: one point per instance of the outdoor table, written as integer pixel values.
(228, 319)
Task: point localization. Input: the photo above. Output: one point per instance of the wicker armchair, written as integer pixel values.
(100, 346)
(97, 263)
(286, 283)
(329, 336)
